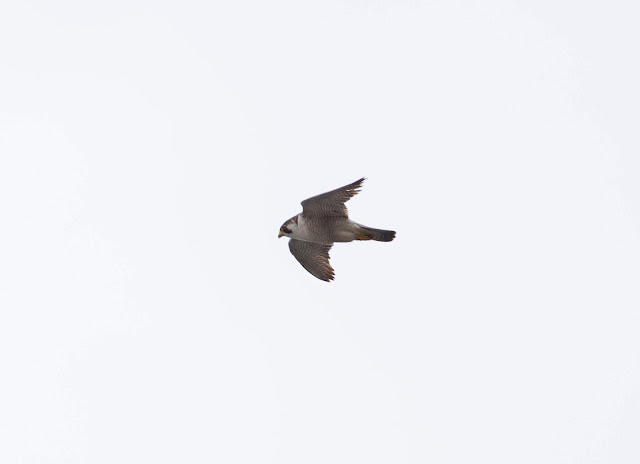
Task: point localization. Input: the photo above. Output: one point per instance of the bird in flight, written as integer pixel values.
(323, 221)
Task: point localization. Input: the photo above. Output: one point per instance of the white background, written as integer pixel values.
(150, 151)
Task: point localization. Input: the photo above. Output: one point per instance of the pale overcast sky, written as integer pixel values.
(150, 151)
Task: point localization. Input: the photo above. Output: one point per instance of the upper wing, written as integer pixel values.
(314, 257)
(331, 203)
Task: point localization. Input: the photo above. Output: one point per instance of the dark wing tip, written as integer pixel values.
(324, 276)
(355, 186)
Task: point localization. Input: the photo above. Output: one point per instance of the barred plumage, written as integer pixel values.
(324, 220)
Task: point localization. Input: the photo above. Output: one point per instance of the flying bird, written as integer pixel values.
(324, 220)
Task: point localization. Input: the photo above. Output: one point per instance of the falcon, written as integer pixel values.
(323, 221)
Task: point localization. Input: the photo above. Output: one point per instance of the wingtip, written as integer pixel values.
(328, 278)
(358, 184)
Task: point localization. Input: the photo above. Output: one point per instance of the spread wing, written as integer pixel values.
(331, 203)
(314, 257)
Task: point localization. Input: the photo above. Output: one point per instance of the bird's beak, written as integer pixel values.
(280, 234)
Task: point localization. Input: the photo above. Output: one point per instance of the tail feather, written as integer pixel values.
(369, 233)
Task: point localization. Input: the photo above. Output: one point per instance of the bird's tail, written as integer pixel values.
(369, 233)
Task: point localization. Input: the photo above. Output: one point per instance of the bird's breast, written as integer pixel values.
(303, 231)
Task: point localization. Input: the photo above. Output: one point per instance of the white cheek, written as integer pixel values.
(299, 230)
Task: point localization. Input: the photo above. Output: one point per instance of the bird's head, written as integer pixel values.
(288, 227)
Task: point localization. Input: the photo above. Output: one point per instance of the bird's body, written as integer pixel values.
(324, 229)
(324, 220)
